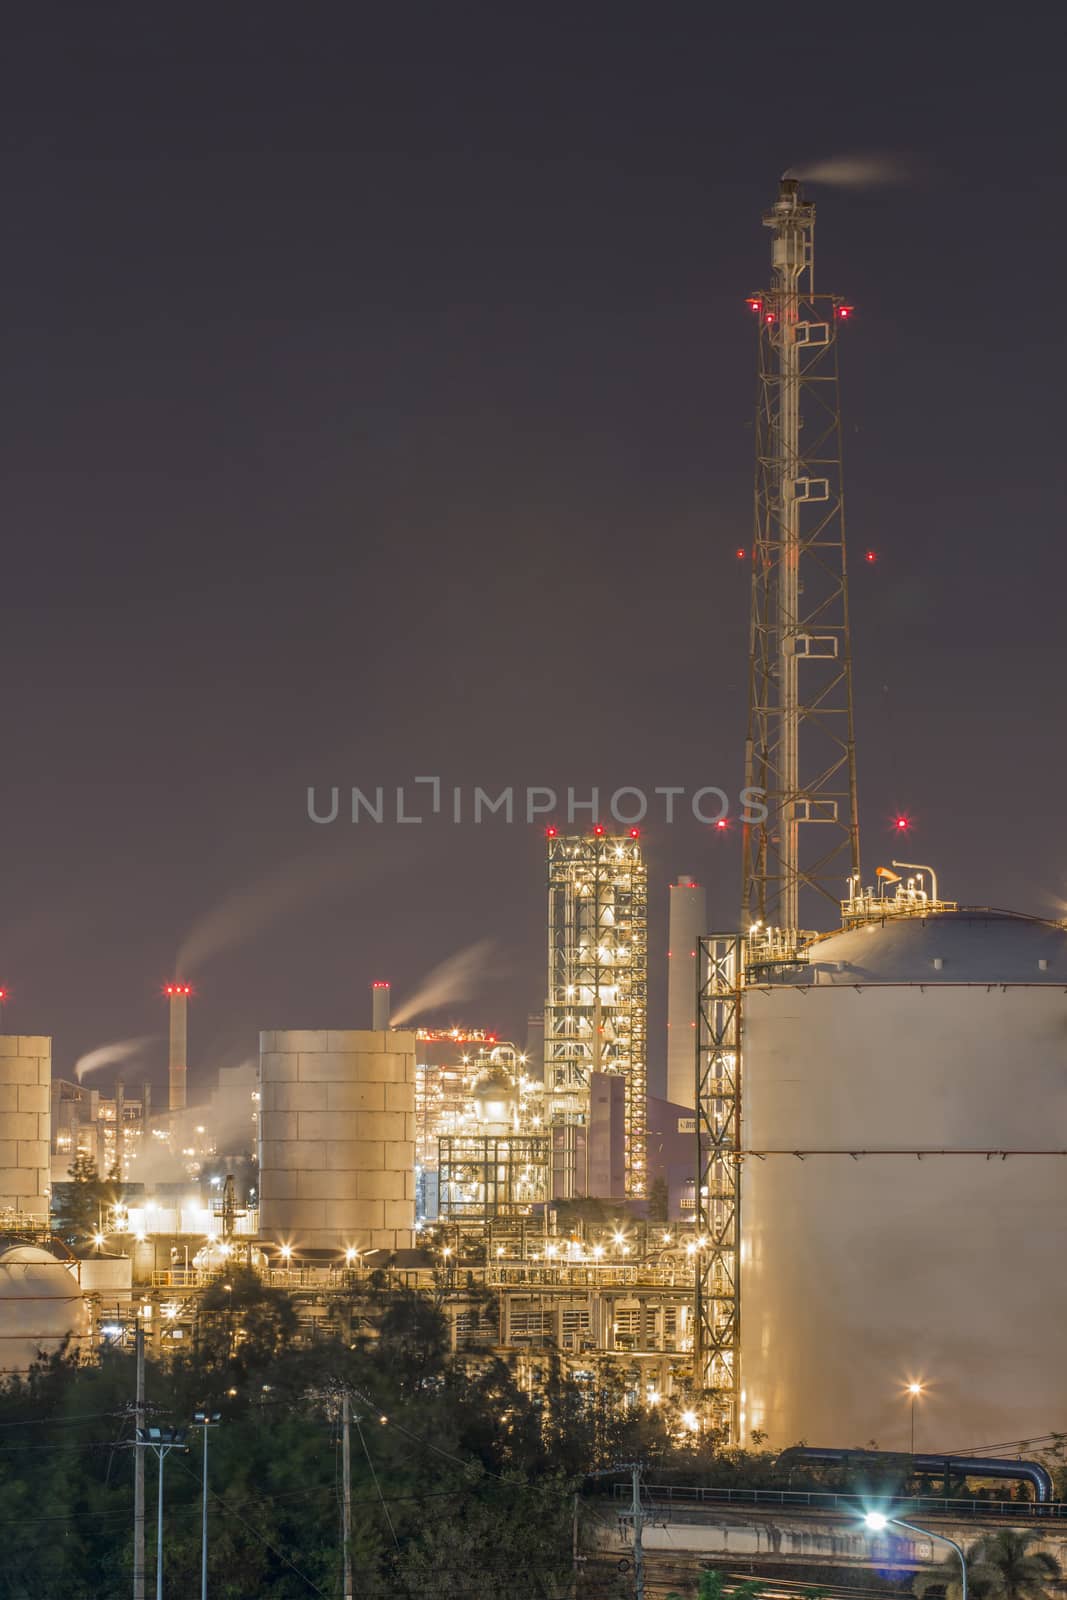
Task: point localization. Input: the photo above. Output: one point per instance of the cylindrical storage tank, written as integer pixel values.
(25, 1124)
(904, 1186)
(337, 1138)
(688, 922)
(41, 1305)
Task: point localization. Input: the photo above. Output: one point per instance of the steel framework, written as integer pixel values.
(800, 749)
(717, 1309)
(483, 1176)
(596, 1012)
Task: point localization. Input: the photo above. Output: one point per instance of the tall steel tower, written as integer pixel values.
(800, 751)
(800, 748)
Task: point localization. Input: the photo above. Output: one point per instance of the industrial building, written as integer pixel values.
(861, 1154)
(596, 1010)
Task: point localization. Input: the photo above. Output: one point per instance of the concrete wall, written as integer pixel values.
(337, 1138)
(25, 1123)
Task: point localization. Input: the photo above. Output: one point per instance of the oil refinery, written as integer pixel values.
(863, 1129)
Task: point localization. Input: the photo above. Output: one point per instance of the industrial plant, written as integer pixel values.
(862, 1131)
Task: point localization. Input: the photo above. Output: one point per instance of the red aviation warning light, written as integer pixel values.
(635, 833)
(754, 303)
(901, 824)
(599, 829)
(845, 313)
(740, 552)
(870, 556)
(721, 824)
(551, 833)
(180, 989)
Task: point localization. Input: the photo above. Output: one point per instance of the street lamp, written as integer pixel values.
(205, 1420)
(915, 1390)
(877, 1522)
(161, 1441)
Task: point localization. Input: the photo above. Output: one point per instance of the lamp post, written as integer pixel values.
(914, 1390)
(877, 1522)
(161, 1441)
(205, 1420)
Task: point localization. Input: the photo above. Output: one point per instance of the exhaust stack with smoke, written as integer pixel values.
(178, 995)
(379, 1006)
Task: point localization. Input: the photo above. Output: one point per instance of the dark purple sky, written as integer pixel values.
(378, 390)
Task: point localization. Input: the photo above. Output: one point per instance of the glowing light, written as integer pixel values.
(447, 1251)
(350, 1255)
(635, 833)
(877, 1521)
(666, 1238)
(598, 1251)
(721, 824)
(754, 303)
(902, 824)
(916, 1389)
(379, 983)
(599, 829)
(844, 313)
(691, 1421)
(286, 1252)
(740, 553)
(654, 1397)
(871, 556)
(98, 1239)
(551, 833)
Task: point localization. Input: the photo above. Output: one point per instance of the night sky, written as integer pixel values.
(378, 393)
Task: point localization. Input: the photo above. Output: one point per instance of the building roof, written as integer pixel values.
(972, 945)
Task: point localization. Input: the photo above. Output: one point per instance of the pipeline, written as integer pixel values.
(1031, 1472)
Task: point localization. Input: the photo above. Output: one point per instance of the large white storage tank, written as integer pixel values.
(41, 1308)
(904, 1190)
(337, 1138)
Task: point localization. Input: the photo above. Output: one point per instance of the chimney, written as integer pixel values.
(178, 995)
(379, 1006)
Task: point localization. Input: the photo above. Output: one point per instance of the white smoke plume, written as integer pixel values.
(291, 889)
(455, 979)
(110, 1055)
(857, 172)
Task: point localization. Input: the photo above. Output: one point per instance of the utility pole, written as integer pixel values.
(138, 1467)
(346, 1474)
(638, 1547)
(205, 1420)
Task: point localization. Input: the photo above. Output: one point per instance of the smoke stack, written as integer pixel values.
(379, 1006)
(146, 1112)
(178, 994)
(120, 1127)
(687, 924)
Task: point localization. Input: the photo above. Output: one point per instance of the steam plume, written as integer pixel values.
(109, 1055)
(292, 888)
(455, 979)
(856, 172)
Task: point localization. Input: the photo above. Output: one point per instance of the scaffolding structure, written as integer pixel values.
(486, 1176)
(716, 1301)
(800, 749)
(596, 1012)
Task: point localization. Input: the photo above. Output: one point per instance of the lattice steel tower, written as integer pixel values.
(800, 748)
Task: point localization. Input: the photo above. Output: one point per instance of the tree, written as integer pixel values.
(81, 1206)
(1000, 1566)
(658, 1200)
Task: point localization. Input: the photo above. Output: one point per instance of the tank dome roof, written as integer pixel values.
(973, 945)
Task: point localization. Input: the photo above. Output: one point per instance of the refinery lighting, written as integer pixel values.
(878, 1522)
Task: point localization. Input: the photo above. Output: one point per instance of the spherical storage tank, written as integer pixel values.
(904, 1186)
(41, 1305)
